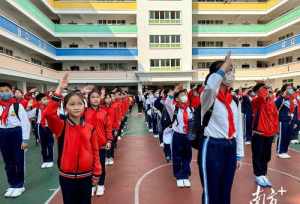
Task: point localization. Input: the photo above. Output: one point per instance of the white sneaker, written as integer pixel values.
(93, 190)
(161, 145)
(44, 165)
(284, 156)
(111, 161)
(267, 181)
(155, 136)
(247, 143)
(180, 183)
(8, 192)
(150, 130)
(107, 161)
(17, 192)
(295, 141)
(49, 164)
(119, 138)
(187, 183)
(100, 190)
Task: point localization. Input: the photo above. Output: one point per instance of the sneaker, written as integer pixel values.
(8, 192)
(119, 138)
(150, 130)
(267, 181)
(180, 183)
(260, 181)
(44, 165)
(295, 141)
(161, 145)
(93, 190)
(168, 159)
(110, 161)
(17, 192)
(100, 190)
(247, 142)
(49, 164)
(187, 183)
(284, 156)
(155, 136)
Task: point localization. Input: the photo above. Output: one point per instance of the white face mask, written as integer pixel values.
(290, 91)
(183, 99)
(228, 79)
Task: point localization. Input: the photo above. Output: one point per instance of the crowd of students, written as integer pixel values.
(218, 121)
(212, 117)
(86, 125)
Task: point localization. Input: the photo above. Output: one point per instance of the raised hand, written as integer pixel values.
(227, 66)
(62, 84)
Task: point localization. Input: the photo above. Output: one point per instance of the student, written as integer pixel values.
(99, 117)
(140, 100)
(44, 133)
(247, 114)
(265, 127)
(177, 106)
(286, 105)
(14, 136)
(222, 145)
(159, 105)
(78, 151)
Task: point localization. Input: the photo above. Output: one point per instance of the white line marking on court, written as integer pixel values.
(139, 182)
(52, 196)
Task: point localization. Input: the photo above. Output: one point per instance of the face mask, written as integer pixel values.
(228, 79)
(290, 91)
(183, 99)
(5, 96)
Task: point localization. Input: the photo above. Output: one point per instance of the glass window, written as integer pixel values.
(173, 62)
(161, 15)
(177, 62)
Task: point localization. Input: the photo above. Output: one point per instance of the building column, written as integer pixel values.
(42, 88)
(140, 87)
(22, 85)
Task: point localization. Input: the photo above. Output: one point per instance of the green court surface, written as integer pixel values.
(39, 183)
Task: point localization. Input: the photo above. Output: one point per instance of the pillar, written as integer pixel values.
(22, 85)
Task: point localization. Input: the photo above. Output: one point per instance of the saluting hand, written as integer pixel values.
(227, 66)
(62, 84)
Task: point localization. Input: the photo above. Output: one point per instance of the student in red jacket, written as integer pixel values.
(78, 151)
(99, 117)
(111, 113)
(265, 127)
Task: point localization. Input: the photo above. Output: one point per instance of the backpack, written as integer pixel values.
(197, 128)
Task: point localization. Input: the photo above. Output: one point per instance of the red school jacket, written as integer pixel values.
(78, 150)
(111, 113)
(102, 123)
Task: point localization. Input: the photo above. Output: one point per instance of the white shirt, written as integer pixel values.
(178, 125)
(32, 114)
(218, 124)
(13, 121)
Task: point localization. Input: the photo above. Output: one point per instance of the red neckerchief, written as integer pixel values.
(6, 106)
(292, 104)
(184, 107)
(226, 98)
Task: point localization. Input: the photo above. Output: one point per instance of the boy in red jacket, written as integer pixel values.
(265, 127)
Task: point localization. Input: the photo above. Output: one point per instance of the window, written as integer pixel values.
(289, 59)
(210, 44)
(281, 61)
(164, 41)
(36, 61)
(167, 17)
(208, 22)
(164, 63)
(122, 44)
(73, 45)
(92, 68)
(245, 66)
(287, 81)
(74, 68)
(245, 45)
(103, 44)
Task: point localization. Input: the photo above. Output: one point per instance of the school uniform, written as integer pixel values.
(222, 144)
(287, 118)
(140, 100)
(78, 155)
(14, 130)
(101, 121)
(148, 107)
(247, 117)
(265, 127)
(111, 111)
(159, 105)
(44, 133)
(181, 146)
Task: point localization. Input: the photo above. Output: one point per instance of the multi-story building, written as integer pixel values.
(147, 42)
